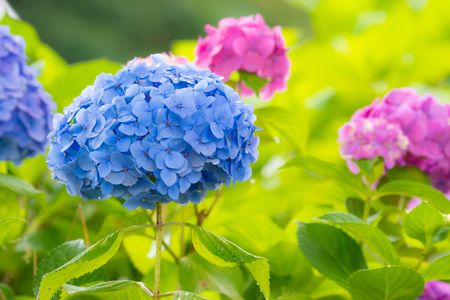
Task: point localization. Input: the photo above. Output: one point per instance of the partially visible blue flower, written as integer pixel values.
(25, 108)
(153, 133)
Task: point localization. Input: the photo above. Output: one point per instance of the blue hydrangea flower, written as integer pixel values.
(25, 108)
(152, 133)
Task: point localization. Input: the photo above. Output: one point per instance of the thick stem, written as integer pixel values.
(159, 240)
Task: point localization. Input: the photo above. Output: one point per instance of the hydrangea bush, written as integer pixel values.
(246, 44)
(154, 132)
(25, 108)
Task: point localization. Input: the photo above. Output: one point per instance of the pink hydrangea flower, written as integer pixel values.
(371, 138)
(436, 290)
(246, 44)
(421, 119)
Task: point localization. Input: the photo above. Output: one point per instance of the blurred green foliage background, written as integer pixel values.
(343, 53)
(116, 29)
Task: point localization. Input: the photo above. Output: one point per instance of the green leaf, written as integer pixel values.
(389, 283)
(280, 124)
(183, 295)
(6, 293)
(438, 270)
(253, 81)
(110, 290)
(56, 258)
(221, 252)
(423, 223)
(355, 206)
(415, 189)
(331, 251)
(372, 169)
(9, 226)
(330, 171)
(196, 274)
(85, 262)
(373, 237)
(17, 185)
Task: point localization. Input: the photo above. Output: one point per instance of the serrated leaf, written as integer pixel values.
(183, 295)
(85, 262)
(278, 123)
(55, 258)
(9, 226)
(331, 251)
(423, 223)
(196, 274)
(330, 171)
(222, 252)
(415, 189)
(438, 270)
(17, 185)
(373, 237)
(389, 283)
(110, 290)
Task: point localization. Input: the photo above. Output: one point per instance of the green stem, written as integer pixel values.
(159, 239)
(421, 260)
(166, 246)
(366, 212)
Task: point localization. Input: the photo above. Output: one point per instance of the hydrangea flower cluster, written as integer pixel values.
(436, 290)
(246, 44)
(154, 132)
(421, 119)
(369, 138)
(25, 108)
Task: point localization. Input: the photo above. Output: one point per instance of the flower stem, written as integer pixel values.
(366, 212)
(159, 240)
(87, 240)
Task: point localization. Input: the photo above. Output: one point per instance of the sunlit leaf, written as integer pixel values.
(222, 252)
(438, 270)
(423, 223)
(55, 258)
(182, 295)
(415, 189)
(373, 237)
(390, 283)
(110, 290)
(85, 262)
(8, 227)
(330, 171)
(279, 124)
(17, 185)
(196, 274)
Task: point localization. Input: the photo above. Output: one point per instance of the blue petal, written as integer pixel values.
(168, 177)
(174, 160)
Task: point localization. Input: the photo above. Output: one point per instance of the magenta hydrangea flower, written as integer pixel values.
(423, 120)
(420, 119)
(370, 138)
(246, 44)
(436, 290)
